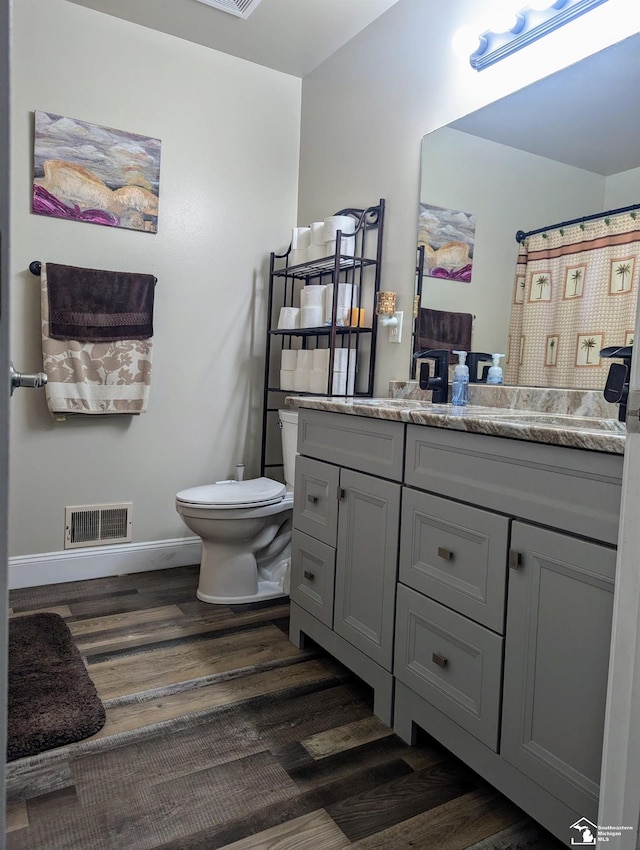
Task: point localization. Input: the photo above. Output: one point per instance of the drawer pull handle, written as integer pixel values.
(515, 559)
(440, 660)
(312, 499)
(309, 576)
(447, 554)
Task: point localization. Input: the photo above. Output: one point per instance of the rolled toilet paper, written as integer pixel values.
(347, 246)
(289, 318)
(316, 236)
(289, 359)
(312, 296)
(342, 357)
(320, 359)
(343, 383)
(316, 252)
(301, 380)
(334, 223)
(305, 359)
(300, 237)
(298, 256)
(286, 379)
(311, 317)
(347, 295)
(318, 381)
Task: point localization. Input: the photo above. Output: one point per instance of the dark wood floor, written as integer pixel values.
(221, 734)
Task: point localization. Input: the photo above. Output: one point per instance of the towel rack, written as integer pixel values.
(35, 267)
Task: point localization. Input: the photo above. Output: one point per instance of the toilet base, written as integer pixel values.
(266, 590)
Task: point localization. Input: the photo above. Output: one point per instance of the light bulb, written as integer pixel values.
(465, 41)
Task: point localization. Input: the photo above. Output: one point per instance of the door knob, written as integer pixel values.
(18, 379)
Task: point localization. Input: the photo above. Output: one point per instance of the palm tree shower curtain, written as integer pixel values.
(575, 292)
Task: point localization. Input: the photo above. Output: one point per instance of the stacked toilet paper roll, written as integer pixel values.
(312, 306)
(288, 363)
(300, 241)
(344, 372)
(346, 225)
(319, 377)
(289, 318)
(347, 297)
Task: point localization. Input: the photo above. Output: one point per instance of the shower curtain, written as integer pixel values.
(574, 293)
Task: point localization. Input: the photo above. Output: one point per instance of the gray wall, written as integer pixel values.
(228, 190)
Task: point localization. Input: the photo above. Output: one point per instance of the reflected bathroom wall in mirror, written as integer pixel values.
(568, 146)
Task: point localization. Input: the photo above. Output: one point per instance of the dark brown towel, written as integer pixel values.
(441, 329)
(92, 305)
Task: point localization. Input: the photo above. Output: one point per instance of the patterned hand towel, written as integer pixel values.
(94, 305)
(93, 377)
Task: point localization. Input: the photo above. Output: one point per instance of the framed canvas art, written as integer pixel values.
(86, 172)
(448, 237)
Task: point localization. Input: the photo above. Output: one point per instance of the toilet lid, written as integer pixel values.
(235, 494)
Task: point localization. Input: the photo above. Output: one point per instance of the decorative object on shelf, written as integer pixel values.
(81, 173)
(531, 24)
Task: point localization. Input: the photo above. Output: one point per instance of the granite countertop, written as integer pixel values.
(560, 429)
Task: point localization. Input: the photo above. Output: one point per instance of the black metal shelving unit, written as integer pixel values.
(285, 284)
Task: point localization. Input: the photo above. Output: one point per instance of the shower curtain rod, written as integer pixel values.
(521, 235)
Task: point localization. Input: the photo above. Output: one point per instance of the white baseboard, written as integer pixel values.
(100, 561)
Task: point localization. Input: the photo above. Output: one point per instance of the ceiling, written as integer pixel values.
(585, 115)
(293, 36)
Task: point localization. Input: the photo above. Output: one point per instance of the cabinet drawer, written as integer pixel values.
(375, 446)
(315, 507)
(576, 490)
(313, 566)
(455, 554)
(451, 662)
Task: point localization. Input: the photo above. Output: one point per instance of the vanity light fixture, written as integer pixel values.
(531, 24)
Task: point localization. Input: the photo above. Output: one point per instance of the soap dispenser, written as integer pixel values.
(460, 385)
(495, 372)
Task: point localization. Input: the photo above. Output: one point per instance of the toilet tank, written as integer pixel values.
(289, 432)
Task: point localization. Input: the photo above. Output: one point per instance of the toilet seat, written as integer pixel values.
(230, 495)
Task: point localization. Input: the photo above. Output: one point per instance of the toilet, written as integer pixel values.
(245, 527)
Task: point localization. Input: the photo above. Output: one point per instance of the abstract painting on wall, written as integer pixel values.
(96, 174)
(448, 237)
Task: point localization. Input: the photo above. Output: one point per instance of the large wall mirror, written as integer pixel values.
(565, 147)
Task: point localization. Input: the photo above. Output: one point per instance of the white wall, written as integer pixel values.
(507, 190)
(366, 109)
(228, 191)
(623, 189)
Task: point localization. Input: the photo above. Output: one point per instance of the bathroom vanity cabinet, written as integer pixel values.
(345, 543)
(498, 600)
(356, 262)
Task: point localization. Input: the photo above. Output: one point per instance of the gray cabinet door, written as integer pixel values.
(559, 613)
(366, 564)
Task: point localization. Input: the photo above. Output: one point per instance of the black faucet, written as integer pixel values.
(439, 383)
(473, 358)
(616, 388)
